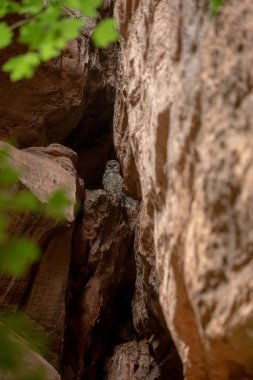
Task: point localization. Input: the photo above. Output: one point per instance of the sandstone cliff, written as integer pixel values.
(152, 278)
(185, 93)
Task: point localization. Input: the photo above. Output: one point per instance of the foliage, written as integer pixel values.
(105, 33)
(17, 333)
(19, 336)
(215, 6)
(45, 28)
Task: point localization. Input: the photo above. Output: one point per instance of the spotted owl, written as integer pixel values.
(112, 180)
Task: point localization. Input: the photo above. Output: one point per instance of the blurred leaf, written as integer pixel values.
(38, 374)
(70, 28)
(9, 175)
(6, 35)
(216, 3)
(4, 222)
(32, 34)
(25, 201)
(57, 204)
(105, 33)
(215, 6)
(5, 150)
(6, 197)
(74, 4)
(4, 4)
(89, 7)
(7, 6)
(17, 255)
(9, 352)
(31, 6)
(22, 66)
(52, 13)
(24, 327)
(16, 336)
(48, 34)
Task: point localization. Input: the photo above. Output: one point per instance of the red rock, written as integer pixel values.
(186, 88)
(41, 292)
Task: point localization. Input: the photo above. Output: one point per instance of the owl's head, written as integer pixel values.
(112, 166)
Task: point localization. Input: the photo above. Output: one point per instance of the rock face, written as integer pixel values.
(102, 277)
(186, 93)
(50, 105)
(33, 364)
(64, 93)
(41, 293)
(132, 361)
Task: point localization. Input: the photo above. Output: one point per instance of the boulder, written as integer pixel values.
(41, 291)
(31, 363)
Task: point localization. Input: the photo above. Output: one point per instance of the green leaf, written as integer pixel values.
(24, 201)
(105, 33)
(48, 52)
(22, 66)
(4, 222)
(216, 3)
(5, 150)
(14, 7)
(89, 7)
(31, 6)
(38, 374)
(9, 352)
(52, 13)
(70, 28)
(3, 8)
(57, 204)
(31, 34)
(6, 197)
(7, 6)
(8, 175)
(17, 255)
(50, 33)
(21, 324)
(74, 4)
(58, 37)
(215, 6)
(6, 35)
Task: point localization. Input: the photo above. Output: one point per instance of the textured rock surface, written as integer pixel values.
(33, 363)
(45, 303)
(102, 275)
(44, 171)
(132, 361)
(148, 317)
(41, 293)
(186, 89)
(74, 88)
(50, 105)
(122, 143)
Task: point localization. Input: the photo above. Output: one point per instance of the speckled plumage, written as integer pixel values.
(112, 180)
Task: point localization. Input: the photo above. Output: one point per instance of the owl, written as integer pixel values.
(112, 180)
